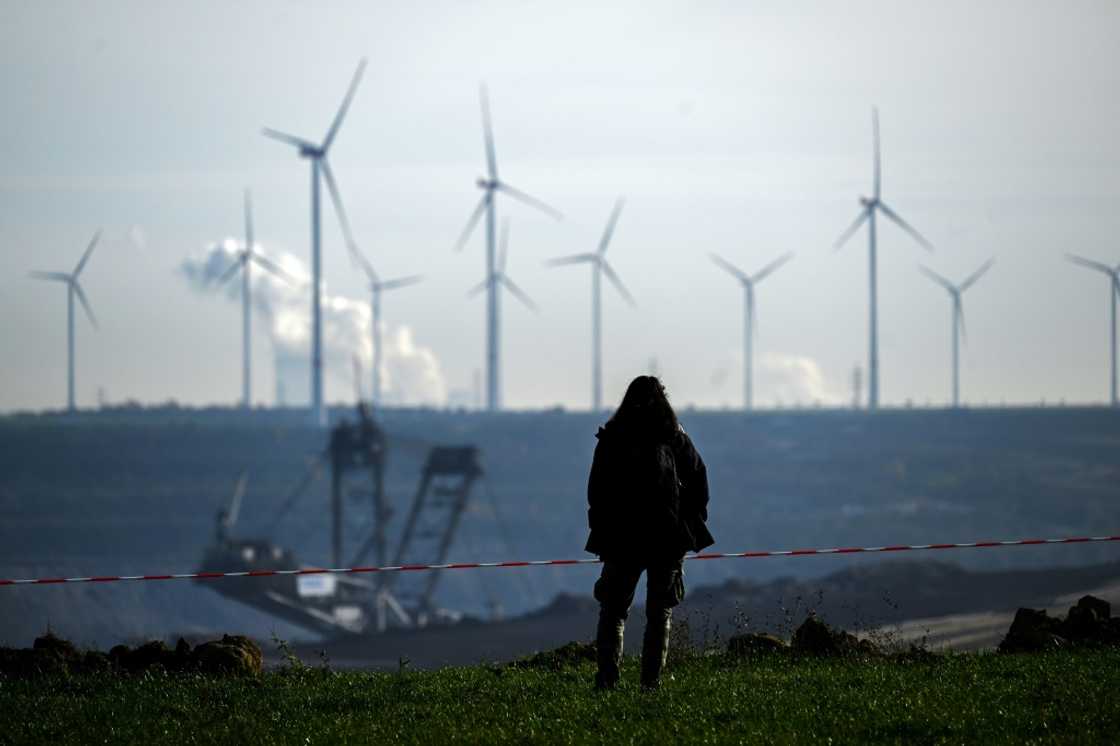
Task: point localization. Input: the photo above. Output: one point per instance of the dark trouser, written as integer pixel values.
(615, 593)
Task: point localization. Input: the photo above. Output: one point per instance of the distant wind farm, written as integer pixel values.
(497, 280)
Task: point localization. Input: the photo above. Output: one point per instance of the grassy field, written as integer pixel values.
(1054, 697)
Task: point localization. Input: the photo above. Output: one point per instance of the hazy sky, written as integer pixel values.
(741, 128)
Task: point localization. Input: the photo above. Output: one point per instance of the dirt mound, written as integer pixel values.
(813, 637)
(756, 643)
(564, 656)
(51, 655)
(1089, 623)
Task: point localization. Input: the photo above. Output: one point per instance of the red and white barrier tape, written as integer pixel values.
(535, 563)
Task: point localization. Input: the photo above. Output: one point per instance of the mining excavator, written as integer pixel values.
(358, 603)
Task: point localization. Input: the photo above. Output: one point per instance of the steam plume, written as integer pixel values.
(410, 375)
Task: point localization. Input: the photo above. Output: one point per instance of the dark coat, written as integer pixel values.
(615, 509)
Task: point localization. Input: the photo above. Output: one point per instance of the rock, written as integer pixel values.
(147, 656)
(1100, 608)
(94, 661)
(814, 637)
(118, 653)
(231, 655)
(756, 644)
(1031, 631)
(63, 650)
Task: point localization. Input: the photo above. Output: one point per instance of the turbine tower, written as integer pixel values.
(1113, 293)
(955, 292)
(244, 261)
(490, 185)
(749, 320)
(317, 154)
(73, 288)
(498, 278)
(376, 287)
(867, 213)
(599, 267)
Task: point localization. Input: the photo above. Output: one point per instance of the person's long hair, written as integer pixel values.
(645, 411)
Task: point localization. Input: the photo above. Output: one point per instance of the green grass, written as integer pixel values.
(1061, 697)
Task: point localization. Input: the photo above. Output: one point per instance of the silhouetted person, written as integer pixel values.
(648, 498)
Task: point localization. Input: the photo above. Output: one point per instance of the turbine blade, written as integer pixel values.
(299, 142)
(730, 268)
(85, 303)
(531, 201)
(332, 187)
(503, 246)
(401, 282)
(771, 267)
(231, 270)
(472, 222)
(972, 278)
(55, 276)
(86, 255)
(937, 278)
(573, 259)
(617, 282)
(905, 226)
(248, 220)
(606, 239)
(1100, 267)
(851, 229)
(478, 288)
(345, 105)
(518, 293)
(360, 259)
(878, 164)
(488, 133)
(273, 267)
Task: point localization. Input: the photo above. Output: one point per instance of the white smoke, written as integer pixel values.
(410, 373)
(795, 379)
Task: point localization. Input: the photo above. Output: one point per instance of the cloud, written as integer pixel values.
(795, 378)
(410, 374)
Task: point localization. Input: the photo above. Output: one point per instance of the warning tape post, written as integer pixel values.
(537, 563)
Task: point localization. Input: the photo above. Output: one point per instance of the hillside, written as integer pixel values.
(1045, 698)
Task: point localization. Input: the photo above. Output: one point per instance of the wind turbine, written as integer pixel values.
(244, 261)
(498, 278)
(599, 267)
(867, 213)
(955, 292)
(1114, 292)
(376, 287)
(490, 185)
(73, 288)
(749, 320)
(317, 154)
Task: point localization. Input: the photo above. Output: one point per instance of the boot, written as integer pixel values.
(608, 645)
(655, 646)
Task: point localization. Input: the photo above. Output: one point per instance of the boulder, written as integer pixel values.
(1089, 622)
(814, 637)
(49, 645)
(233, 654)
(147, 656)
(1101, 609)
(1033, 630)
(755, 643)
